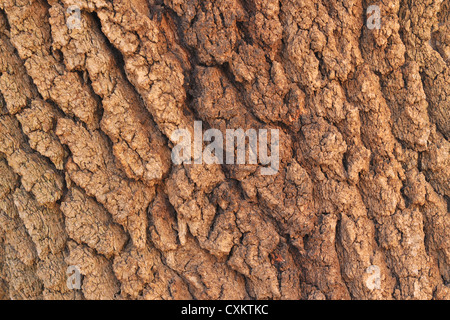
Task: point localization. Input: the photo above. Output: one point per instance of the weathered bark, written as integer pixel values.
(88, 109)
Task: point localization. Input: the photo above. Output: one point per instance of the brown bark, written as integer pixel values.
(87, 116)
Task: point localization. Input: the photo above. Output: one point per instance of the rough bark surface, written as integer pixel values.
(87, 117)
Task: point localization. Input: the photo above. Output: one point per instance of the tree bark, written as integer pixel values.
(92, 94)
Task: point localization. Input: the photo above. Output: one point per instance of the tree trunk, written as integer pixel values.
(94, 206)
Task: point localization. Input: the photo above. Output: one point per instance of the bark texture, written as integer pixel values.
(87, 115)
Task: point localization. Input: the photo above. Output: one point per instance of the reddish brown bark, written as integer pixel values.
(87, 116)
